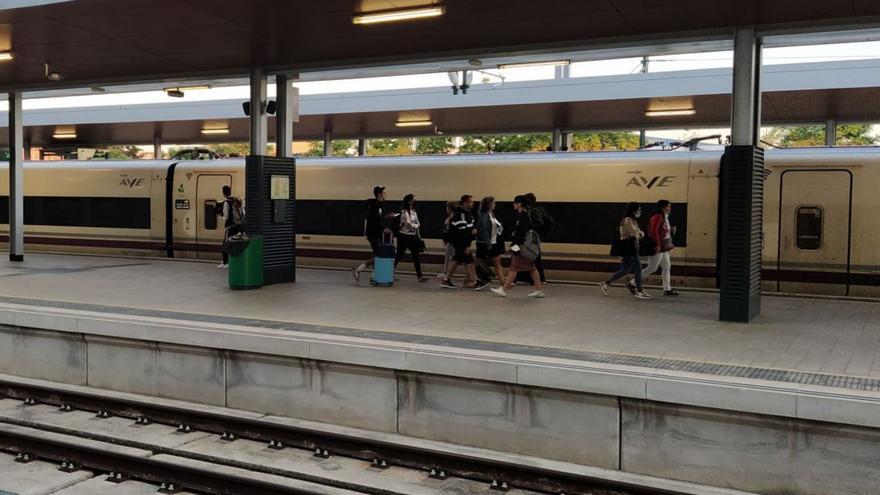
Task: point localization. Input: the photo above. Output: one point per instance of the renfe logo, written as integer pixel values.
(132, 183)
(658, 181)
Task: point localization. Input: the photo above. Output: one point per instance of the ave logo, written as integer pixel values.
(650, 183)
(131, 183)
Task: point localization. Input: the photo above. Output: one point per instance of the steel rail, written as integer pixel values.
(471, 467)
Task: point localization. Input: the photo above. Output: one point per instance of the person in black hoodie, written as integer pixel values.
(374, 227)
(461, 235)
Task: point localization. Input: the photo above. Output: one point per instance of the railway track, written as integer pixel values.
(213, 474)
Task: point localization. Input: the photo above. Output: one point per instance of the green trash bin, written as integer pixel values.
(245, 262)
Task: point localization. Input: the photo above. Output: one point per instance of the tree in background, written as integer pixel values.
(434, 145)
(230, 149)
(604, 141)
(505, 143)
(856, 134)
(814, 135)
(340, 147)
(389, 147)
(123, 152)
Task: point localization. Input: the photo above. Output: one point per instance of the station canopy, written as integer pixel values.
(105, 41)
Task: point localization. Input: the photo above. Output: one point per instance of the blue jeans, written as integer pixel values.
(629, 264)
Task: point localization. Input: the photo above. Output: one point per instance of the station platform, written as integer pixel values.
(657, 387)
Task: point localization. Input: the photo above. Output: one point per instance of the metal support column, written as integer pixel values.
(259, 119)
(643, 134)
(742, 189)
(362, 147)
(16, 179)
(556, 142)
(328, 143)
(157, 147)
(287, 98)
(831, 132)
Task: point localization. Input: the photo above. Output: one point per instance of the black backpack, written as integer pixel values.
(542, 223)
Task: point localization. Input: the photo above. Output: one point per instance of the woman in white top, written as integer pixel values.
(630, 234)
(408, 237)
(490, 244)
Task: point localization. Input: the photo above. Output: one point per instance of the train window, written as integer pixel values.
(210, 214)
(808, 235)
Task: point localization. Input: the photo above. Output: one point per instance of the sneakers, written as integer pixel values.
(538, 294)
(672, 292)
(499, 291)
(604, 288)
(447, 284)
(631, 285)
(642, 295)
(356, 273)
(481, 285)
(222, 266)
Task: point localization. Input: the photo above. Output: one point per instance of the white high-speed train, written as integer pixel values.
(820, 229)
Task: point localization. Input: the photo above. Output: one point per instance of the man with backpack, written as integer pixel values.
(375, 225)
(525, 249)
(233, 220)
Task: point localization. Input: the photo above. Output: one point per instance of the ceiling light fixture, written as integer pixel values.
(670, 113)
(6, 56)
(178, 91)
(217, 130)
(201, 87)
(414, 123)
(64, 135)
(520, 65)
(399, 15)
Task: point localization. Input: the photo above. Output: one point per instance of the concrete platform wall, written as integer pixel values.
(762, 453)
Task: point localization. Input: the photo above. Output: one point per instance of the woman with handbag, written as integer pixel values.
(408, 237)
(523, 251)
(661, 234)
(627, 247)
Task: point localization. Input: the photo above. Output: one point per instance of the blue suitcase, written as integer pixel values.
(383, 268)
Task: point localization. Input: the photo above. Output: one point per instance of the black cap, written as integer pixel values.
(378, 189)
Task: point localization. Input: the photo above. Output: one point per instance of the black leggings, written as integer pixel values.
(410, 242)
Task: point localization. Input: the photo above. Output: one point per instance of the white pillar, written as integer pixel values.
(16, 179)
(287, 98)
(259, 120)
(746, 106)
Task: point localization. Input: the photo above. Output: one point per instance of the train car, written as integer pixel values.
(819, 233)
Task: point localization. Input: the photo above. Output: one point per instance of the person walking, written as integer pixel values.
(448, 248)
(628, 248)
(490, 245)
(661, 233)
(543, 224)
(523, 235)
(408, 237)
(233, 220)
(374, 228)
(462, 232)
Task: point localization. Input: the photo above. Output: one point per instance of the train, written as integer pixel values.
(819, 230)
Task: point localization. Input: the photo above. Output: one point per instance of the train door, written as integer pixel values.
(209, 226)
(815, 231)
